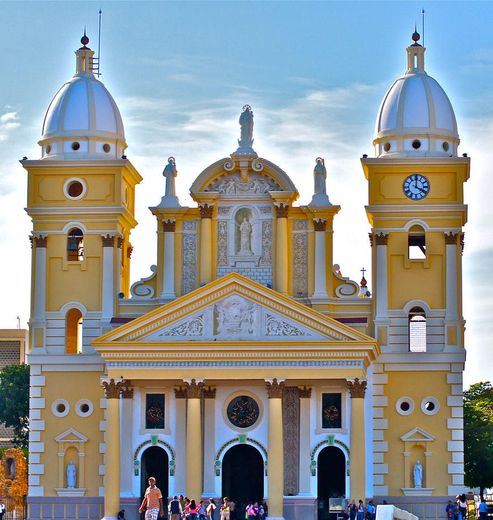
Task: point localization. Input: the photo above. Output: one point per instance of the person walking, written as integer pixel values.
(153, 501)
(483, 509)
(462, 502)
(224, 511)
(193, 510)
(360, 512)
(202, 510)
(352, 510)
(211, 507)
(2, 508)
(232, 510)
(174, 509)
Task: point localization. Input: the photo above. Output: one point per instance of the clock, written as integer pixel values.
(416, 186)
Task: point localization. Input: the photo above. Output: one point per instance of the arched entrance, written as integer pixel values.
(154, 463)
(243, 474)
(331, 478)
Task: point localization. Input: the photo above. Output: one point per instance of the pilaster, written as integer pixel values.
(305, 435)
(357, 464)
(169, 260)
(205, 266)
(126, 425)
(320, 288)
(194, 438)
(281, 274)
(108, 282)
(209, 440)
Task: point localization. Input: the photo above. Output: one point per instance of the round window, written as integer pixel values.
(243, 411)
(75, 189)
(404, 406)
(106, 147)
(430, 406)
(387, 147)
(84, 408)
(48, 149)
(75, 145)
(416, 144)
(60, 408)
(445, 146)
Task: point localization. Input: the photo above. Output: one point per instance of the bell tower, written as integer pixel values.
(81, 202)
(416, 210)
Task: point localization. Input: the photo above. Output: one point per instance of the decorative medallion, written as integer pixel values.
(331, 410)
(154, 411)
(243, 411)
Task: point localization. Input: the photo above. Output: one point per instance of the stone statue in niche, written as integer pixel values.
(418, 475)
(245, 238)
(71, 475)
(246, 124)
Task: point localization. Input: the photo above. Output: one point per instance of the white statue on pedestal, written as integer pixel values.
(320, 197)
(246, 136)
(245, 237)
(170, 173)
(418, 475)
(71, 475)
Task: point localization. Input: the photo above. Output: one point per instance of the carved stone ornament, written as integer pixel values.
(357, 388)
(194, 389)
(119, 242)
(381, 239)
(180, 393)
(274, 389)
(169, 226)
(235, 316)
(462, 242)
(320, 224)
(370, 236)
(206, 210)
(127, 390)
(108, 240)
(193, 328)
(451, 239)
(130, 249)
(234, 185)
(291, 434)
(282, 210)
(112, 388)
(209, 393)
(41, 241)
(305, 392)
(277, 327)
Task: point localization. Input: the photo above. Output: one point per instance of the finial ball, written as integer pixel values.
(84, 40)
(416, 36)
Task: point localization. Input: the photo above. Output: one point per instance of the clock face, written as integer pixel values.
(416, 186)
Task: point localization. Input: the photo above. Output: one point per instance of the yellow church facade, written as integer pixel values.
(246, 365)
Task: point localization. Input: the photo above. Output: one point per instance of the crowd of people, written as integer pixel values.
(360, 511)
(184, 508)
(464, 508)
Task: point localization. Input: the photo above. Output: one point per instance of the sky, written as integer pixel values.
(314, 74)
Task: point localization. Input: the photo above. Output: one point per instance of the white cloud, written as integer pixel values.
(9, 121)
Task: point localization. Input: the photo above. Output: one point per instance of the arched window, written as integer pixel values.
(417, 243)
(417, 330)
(75, 245)
(73, 331)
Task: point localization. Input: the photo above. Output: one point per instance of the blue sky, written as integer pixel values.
(314, 73)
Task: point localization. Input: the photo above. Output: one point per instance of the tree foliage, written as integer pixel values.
(478, 435)
(14, 401)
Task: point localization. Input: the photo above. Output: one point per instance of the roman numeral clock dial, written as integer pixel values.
(416, 186)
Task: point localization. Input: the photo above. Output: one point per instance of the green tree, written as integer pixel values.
(478, 436)
(14, 401)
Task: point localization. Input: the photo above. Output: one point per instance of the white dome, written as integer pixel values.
(416, 117)
(82, 120)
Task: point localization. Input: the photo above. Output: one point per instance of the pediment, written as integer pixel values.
(233, 308)
(71, 435)
(417, 435)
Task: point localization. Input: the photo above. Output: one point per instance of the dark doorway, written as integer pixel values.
(154, 463)
(243, 474)
(331, 478)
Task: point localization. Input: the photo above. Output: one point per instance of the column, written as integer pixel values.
(451, 276)
(119, 265)
(112, 461)
(205, 268)
(381, 276)
(108, 289)
(281, 275)
(320, 289)
(305, 437)
(169, 260)
(40, 243)
(209, 441)
(357, 463)
(275, 466)
(126, 425)
(181, 451)
(194, 439)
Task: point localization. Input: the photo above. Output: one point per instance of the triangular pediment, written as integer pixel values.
(233, 308)
(417, 435)
(71, 435)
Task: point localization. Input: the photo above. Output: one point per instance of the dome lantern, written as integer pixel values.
(82, 121)
(416, 118)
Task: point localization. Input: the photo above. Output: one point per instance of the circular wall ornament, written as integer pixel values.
(404, 406)
(84, 408)
(60, 408)
(243, 411)
(430, 405)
